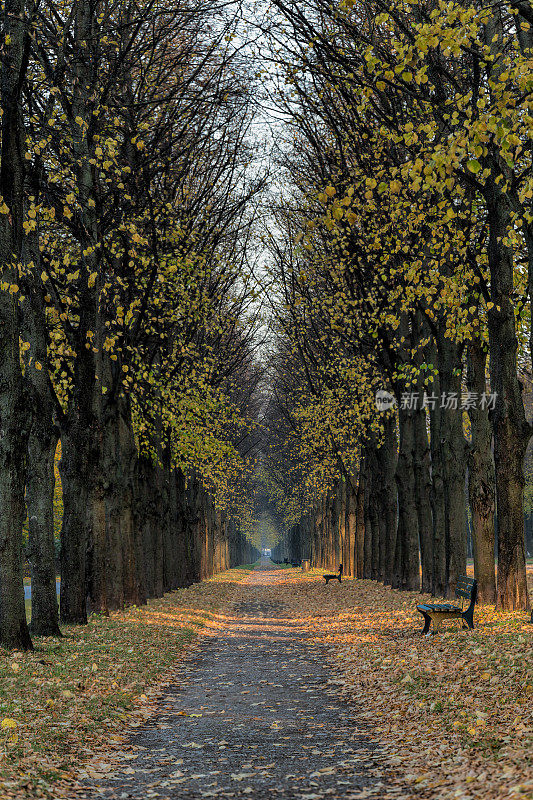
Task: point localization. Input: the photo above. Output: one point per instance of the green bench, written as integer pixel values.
(466, 589)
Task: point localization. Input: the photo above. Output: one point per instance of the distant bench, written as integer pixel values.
(337, 576)
(466, 589)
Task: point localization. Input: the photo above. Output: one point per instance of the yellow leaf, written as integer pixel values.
(8, 723)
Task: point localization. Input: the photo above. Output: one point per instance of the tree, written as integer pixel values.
(14, 412)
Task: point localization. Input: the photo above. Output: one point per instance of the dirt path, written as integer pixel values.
(250, 715)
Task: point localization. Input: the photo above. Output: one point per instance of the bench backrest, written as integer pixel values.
(467, 588)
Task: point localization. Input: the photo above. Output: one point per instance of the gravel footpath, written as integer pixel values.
(250, 714)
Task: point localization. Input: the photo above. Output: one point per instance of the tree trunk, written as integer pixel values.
(369, 532)
(166, 522)
(75, 471)
(40, 488)
(15, 419)
(336, 506)
(423, 498)
(377, 530)
(174, 529)
(481, 478)
(438, 503)
(453, 459)
(81, 432)
(387, 460)
(510, 429)
(42, 446)
(509, 451)
(422, 459)
(408, 550)
(127, 457)
(375, 514)
(342, 523)
(103, 590)
(360, 521)
(350, 526)
(138, 532)
(182, 564)
(529, 535)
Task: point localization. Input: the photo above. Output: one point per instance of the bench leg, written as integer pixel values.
(427, 623)
(468, 617)
(436, 625)
(326, 579)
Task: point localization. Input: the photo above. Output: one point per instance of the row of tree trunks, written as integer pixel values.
(139, 531)
(402, 521)
(355, 522)
(159, 532)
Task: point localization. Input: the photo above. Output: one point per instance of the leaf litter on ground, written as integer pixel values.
(66, 703)
(452, 713)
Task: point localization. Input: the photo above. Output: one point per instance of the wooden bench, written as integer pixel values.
(334, 576)
(466, 589)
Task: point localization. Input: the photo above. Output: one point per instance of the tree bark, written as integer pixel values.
(376, 518)
(481, 478)
(81, 433)
(360, 520)
(511, 431)
(42, 446)
(369, 531)
(40, 488)
(389, 503)
(453, 459)
(350, 528)
(408, 549)
(15, 418)
(438, 502)
(423, 497)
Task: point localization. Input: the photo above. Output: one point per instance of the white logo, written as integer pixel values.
(384, 400)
